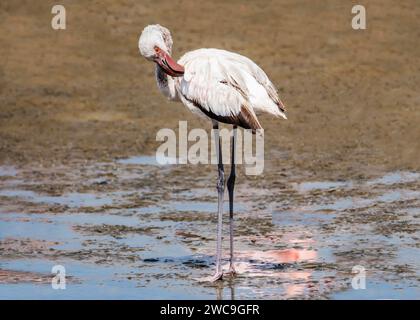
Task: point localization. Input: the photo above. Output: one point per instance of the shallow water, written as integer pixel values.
(321, 185)
(7, 171)
(148, 161)
(396, 177)
(70, 199)
(133, 237)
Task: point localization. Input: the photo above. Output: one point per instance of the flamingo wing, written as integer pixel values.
(214, 86)
(261, 78)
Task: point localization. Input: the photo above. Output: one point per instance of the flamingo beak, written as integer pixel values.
(168, 64)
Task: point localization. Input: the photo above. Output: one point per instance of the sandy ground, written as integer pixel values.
(85, 93)
(341, 178)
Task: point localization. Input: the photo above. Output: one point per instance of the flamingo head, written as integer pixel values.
(155, 44)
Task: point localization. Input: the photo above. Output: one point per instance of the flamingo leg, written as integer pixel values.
(220, 190)
(230, 187)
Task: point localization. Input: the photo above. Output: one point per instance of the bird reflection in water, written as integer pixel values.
(272, 263)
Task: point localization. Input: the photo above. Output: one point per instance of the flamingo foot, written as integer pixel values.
(232, 270)
(217, 276)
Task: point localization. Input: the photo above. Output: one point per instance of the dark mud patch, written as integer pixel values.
(17, 277)
(116, 231)
(18, 248)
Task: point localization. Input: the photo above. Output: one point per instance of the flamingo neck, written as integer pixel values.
(166, 84)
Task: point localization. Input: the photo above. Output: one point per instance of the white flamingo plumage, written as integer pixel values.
(220, 85)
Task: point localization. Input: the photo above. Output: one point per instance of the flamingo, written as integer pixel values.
(221, 86)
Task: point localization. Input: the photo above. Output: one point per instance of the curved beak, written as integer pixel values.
(168, 64)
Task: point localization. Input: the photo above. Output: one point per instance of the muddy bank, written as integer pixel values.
(10, 276)
(84, 93)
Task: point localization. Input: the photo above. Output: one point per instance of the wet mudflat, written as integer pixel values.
(133, 229)
(79, 110)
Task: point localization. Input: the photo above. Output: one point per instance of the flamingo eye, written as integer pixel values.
(157, 49)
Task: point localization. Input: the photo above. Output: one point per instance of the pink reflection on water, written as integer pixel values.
(279, 256)
(295, 282)
(267, 263)
(255, 262)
